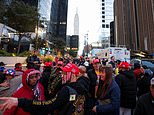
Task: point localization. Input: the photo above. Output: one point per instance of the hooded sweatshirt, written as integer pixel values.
(127, 83)
(37, 93)
(60, 103)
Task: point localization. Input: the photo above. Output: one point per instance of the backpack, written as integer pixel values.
(78, 101)
(54, 83)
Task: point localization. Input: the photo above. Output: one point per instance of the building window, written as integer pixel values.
(103, 4)
(103, 12)
(103, 8)
(103, 16)
(103, 20)
(103, 25)
(102, 0)
(107, 25)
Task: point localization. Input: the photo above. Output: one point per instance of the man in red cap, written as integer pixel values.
(63, 103)
(70, 71)
(127, 83)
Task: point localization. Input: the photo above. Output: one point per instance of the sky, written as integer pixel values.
(88, 11)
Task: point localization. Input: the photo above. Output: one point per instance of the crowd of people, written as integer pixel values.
(81, 86)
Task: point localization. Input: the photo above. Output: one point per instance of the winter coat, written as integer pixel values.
(93, 78)
(143, 84)
(91, 101)
(25, 92)
(112, 106)
(128, 88)
(60, 103)
(145, 105)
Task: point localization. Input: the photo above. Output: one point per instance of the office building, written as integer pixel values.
(106, 15)
(32, 2)
(134, 24)
(44, 9)
(112, 38)
(58, 19)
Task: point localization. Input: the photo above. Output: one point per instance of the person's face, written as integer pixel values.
(64, 75)
(113, 58)
(96, 66)
(73, 78)
(103, 75)
(33, 79)
(9, 76)
(152, 90)
(59, 65)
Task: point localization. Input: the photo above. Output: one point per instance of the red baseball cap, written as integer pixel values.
(125, 65)
(96, 61)
(71, 68)
(48, 64)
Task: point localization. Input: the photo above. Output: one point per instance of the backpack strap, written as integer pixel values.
(73, 93)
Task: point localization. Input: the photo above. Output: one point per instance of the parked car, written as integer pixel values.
(147, 62)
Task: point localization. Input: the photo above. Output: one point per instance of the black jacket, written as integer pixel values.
(93, 78)
(143, 85)
(145, 105)
(58, 103)
(127, 83)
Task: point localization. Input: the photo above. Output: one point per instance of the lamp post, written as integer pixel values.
(87, 44)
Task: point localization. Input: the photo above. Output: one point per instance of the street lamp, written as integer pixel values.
(87, 45)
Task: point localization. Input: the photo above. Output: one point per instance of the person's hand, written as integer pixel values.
(94, 109)
(5, 84)
(9, 102)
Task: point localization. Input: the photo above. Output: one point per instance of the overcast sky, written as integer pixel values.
(88, 11)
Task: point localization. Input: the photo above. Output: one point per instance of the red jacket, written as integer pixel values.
(25, 92)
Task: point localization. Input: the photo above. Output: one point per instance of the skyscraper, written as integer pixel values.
(45, 8)
(106, 17)
(58, 19)
(134, 24)
(31, 2)
(76, 23)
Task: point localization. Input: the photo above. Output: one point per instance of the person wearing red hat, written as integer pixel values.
(31, 89)
(51, 79)
(62, 104)
(93, 75)
(128, 86)
(70, 71)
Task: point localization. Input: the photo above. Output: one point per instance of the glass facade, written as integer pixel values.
(45, 8)
(31, 2)
(58, 18)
